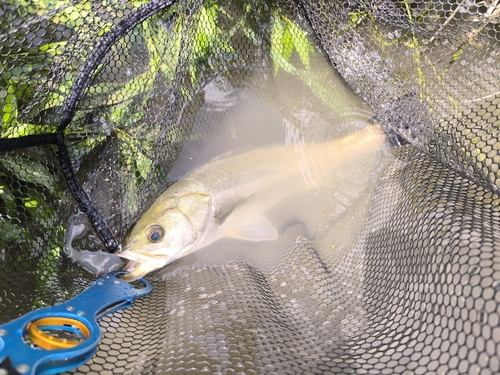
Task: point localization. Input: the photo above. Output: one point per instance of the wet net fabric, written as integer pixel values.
(430, 64)
(412, 288)
(387, 306)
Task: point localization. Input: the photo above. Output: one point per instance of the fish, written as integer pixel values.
(229, 196)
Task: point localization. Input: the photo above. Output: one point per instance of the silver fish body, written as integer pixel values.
(229, 195)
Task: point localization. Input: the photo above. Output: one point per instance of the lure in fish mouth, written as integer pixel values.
(229, 196)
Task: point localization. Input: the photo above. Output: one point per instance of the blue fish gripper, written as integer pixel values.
(60, 338)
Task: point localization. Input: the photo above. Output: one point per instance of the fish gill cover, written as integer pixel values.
(402, 276)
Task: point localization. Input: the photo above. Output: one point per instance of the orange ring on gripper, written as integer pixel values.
(46, 341)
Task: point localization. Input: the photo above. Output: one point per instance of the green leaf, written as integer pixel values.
(9, 200)
(53, 48)
(10, 109)
(301, 43)
(144, 165)
(27, 129)
(287, 43)
(277, 31)
(206, 30)
(107, 94)
(30, 171)
(12, 232)
(30, 203)
(287, 37)
(172, 50)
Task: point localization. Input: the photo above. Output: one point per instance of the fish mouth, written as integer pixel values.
(133, 256)
(137, 270)
(138, 265)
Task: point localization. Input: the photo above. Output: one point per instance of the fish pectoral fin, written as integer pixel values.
(259, 228)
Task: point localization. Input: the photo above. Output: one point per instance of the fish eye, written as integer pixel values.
(155, 233)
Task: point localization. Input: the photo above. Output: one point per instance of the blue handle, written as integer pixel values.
(106, 295)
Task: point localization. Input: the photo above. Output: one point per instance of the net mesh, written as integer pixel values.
(402, 275)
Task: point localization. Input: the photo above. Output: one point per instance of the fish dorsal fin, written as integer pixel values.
(226, 154)
(259, 228)
(231, 153)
